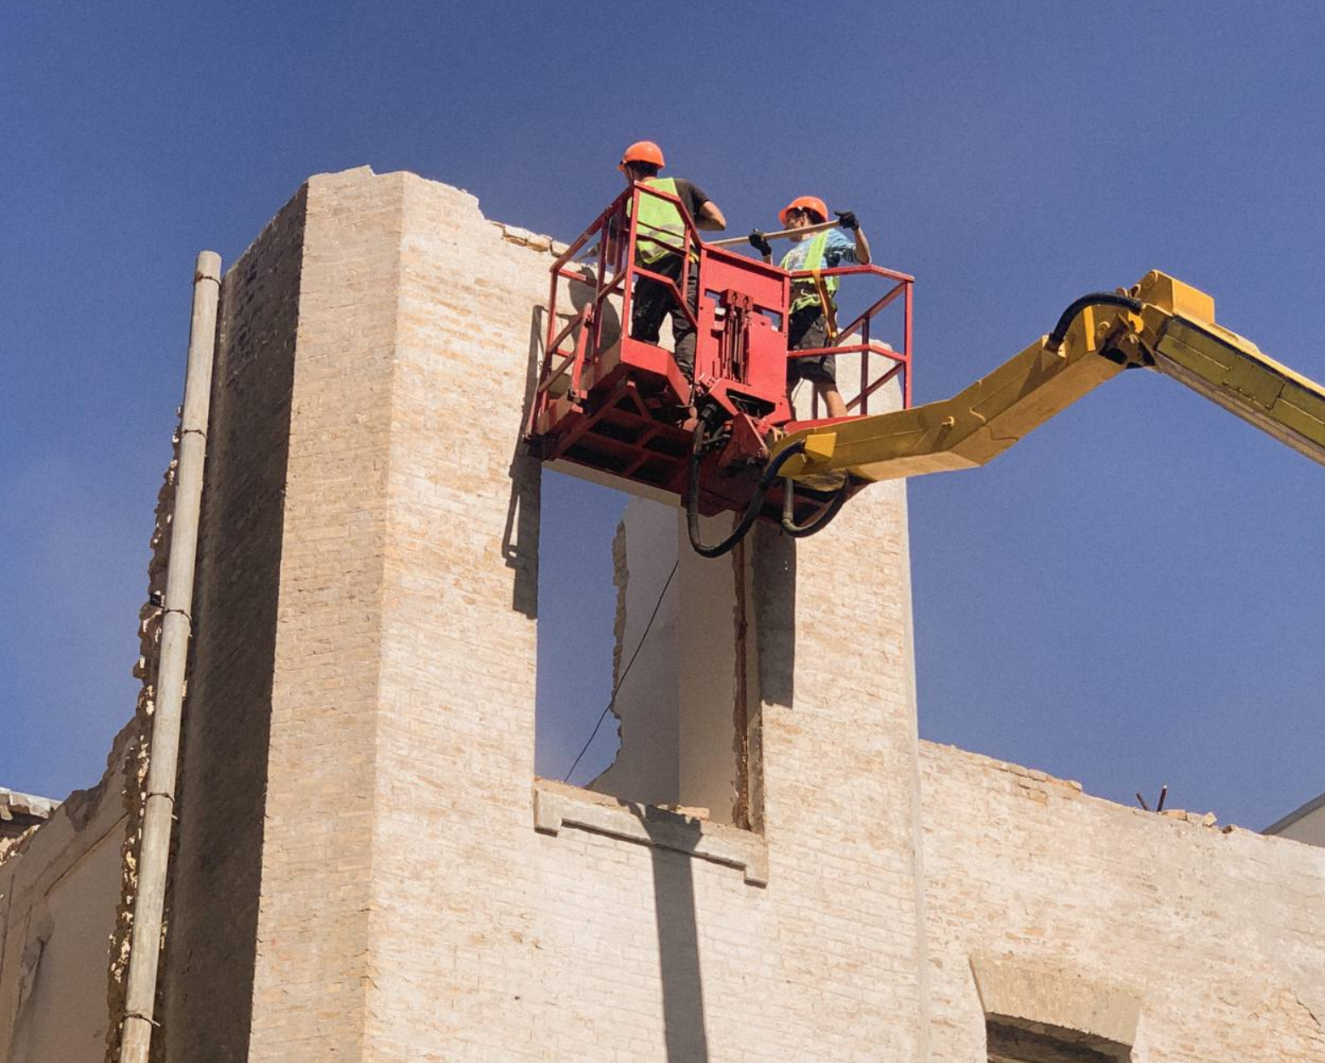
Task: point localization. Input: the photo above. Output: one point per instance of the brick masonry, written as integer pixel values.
(1214, 939)
(367, 868)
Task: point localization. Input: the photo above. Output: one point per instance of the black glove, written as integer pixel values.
(761, 245)
(847, 219)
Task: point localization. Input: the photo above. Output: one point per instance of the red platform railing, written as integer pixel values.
(610, 267)
(896, 363)
(602, 265)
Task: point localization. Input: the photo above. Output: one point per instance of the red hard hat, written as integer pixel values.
(642, 151)
(813, 203)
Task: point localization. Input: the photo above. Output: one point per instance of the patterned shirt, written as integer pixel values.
(838, 249)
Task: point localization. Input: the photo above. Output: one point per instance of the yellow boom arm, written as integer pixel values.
(1160, 324)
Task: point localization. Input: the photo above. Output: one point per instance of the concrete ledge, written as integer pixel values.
(1056, 997)
(558, 805)
(19, 815)
(11, 801)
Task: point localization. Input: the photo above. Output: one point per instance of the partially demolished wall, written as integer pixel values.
(369, 869)
(67, 885)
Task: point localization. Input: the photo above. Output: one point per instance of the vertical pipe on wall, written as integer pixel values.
(176, 627)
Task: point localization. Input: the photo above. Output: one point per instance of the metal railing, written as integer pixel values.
(608, 254)
(605, 259)
(895, 363)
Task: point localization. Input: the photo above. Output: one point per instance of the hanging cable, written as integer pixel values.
(625, 672)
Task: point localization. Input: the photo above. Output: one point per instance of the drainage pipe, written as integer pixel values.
(176, 627)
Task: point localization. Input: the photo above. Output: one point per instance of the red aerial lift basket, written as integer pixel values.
(623, 407)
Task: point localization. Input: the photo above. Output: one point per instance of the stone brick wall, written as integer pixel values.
(1195, 944)
(220, 803)
(367, 868)
(406, 907)
(423, 897)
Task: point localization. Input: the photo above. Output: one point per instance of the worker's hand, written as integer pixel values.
(760, 244)
(847, 219)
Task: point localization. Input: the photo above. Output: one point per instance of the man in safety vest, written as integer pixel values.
(812, 320)
(652, 299)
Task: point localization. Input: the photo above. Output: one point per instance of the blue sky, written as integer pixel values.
(1130, 597)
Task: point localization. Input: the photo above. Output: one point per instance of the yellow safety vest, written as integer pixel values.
(657, 216)
(806, 292)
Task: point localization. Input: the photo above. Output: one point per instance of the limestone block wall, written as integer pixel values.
(396, 884)
(1193, 944)
(366, 866)
(221, 815)
(407, 890)
(493, 940)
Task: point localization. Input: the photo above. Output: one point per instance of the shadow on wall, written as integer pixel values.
(216, 864)
(520, 537)
(774, 578)
(676, 910)
(679, 971)
(519, 543)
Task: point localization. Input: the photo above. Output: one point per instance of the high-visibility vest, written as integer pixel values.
(806, 292)
(657, 216)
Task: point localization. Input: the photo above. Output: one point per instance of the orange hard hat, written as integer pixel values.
(813, 203)
(642, 151)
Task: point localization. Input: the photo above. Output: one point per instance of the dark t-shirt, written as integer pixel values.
(691, 195)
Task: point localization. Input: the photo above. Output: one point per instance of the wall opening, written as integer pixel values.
(576, 606)
(1015, 1040)
(630, 616)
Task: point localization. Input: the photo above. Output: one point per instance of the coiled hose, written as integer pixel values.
(821, 520)
(766, 481)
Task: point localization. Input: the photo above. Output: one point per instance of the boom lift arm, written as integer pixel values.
(1160, 323)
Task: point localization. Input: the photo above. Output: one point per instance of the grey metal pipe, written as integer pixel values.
(176, 628)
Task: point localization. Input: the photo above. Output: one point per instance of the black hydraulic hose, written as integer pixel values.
(821, 520)
(1076, 306)
(752, 511)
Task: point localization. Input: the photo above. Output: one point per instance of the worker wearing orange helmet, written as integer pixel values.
(813, 310)
(652, 300)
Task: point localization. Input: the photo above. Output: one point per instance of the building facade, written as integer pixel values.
(366, 866)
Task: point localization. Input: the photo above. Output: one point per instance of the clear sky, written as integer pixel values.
(1132, 596)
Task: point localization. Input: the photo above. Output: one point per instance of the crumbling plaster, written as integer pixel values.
(59, 894)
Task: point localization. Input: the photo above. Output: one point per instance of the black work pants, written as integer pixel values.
(652, 300)
(807, 331)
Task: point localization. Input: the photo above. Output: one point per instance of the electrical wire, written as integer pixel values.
(639, 646)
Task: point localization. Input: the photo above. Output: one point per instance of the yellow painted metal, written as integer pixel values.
(1231, 371)
(820, 446)
(1174, 333)
(1172, 296)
